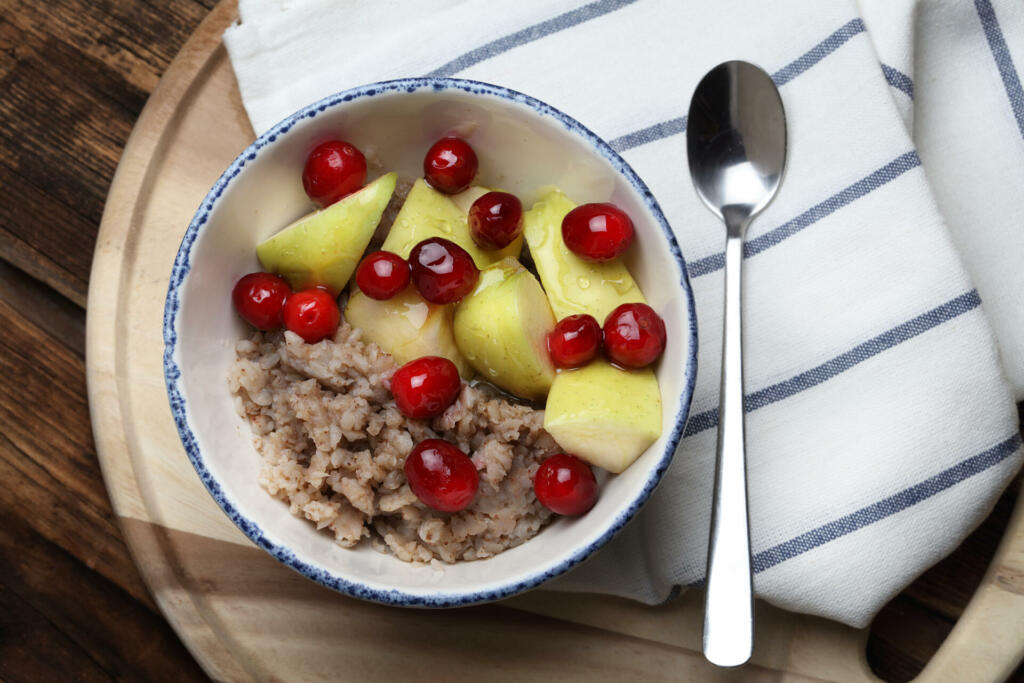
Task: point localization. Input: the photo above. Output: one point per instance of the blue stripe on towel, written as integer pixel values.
(876, 512)
(862, 187)
(895, 336)
(658, 131)
(530, 34)
(675, 126)
(908, 497)
(898, 80)
(1004, 62)
(818, 52)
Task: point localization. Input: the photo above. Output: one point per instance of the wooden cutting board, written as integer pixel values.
(246, 617)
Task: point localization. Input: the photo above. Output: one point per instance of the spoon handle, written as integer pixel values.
(728, 607)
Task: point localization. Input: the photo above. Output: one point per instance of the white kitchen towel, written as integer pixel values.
(955, 69)
(881, 425)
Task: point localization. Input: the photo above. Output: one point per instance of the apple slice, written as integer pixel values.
(502, 326)
(572, 284)
(428, 213)
(603, 414)
(407, 327)
(324, 247)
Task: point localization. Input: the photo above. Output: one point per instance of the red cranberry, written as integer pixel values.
(441, 475)
(565, 485)
(634, 335)
(382, 275)
(259, 298)
(442, 271)
(597, 232)
(450, 165)
(425, 387)
(496, 220)
(312, 314)
(333, 169)
(574, 341)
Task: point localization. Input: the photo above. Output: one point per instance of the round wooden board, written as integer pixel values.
(244, 616)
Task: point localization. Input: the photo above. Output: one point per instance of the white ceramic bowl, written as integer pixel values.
(523, 145)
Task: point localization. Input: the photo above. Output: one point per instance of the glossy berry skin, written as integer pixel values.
(425, 387)
(441, 476)
(333, 169)
(382, 275)
(450, 165)
(259, 298)
(496, 220)
(575, 341)
(312, 314)
(565, 485)
(634, 335)
(597, 232)
(442, 271)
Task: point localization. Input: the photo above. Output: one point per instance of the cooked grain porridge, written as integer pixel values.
(333, 444)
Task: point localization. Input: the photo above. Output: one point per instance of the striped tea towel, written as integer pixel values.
(881, 425)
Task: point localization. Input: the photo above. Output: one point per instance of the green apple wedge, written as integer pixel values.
(501, 328)
(572, 284)
(407, 327)
(324, 247)
(604, 414)
(428, 213)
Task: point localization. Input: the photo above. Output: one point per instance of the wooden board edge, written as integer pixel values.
(987, 641)
(105, 293)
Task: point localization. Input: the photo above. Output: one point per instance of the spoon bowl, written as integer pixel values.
(736, 146)
(736, 139)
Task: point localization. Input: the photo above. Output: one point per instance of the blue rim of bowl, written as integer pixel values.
(172, 373)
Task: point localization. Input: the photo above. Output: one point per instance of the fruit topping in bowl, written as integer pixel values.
(597, 232)
(634, 335)
(323, 247)
(259, 298)
(501, 329)
(496, 220)
(575, 341)
(442, 271)
(334, 169)
(425, 387)
(572, 284)
(382, 275)
(450, 165)
(441, 475)
(462, 398)
(606, 415)
(565, 485)
(312, 314)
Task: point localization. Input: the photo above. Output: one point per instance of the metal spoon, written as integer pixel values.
(736, 143)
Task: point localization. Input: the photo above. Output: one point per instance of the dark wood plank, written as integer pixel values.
(61, 320)
(74, 76)
(32, 649)
(98, 619)
(72, 598)
(47, 457)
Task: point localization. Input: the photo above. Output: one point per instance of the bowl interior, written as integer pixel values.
(523, 146)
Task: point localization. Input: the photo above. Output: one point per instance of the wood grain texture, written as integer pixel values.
(72, 600)
(75, 76)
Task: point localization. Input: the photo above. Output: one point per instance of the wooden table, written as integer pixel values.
(75, 76)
